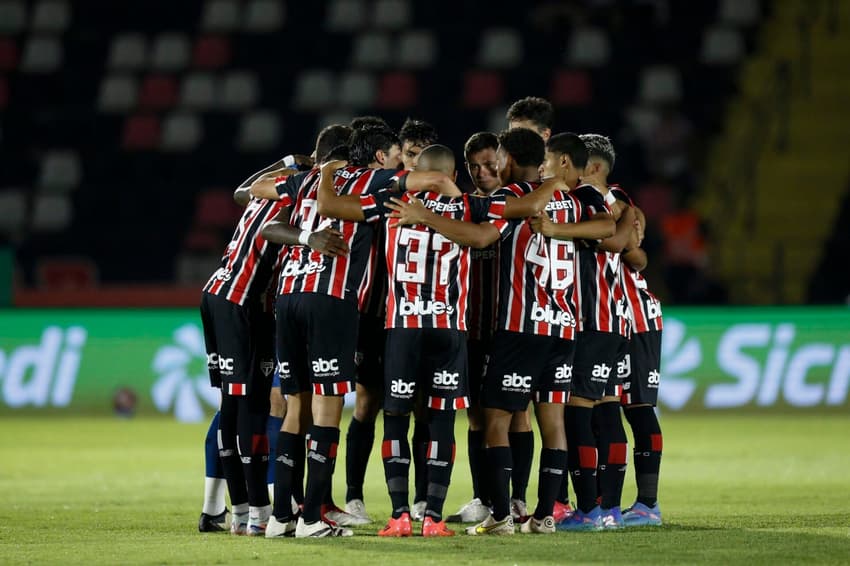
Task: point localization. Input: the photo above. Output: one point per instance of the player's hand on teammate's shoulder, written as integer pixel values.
(541, 224)
(407, 212)
(328, 242)
(331, 166)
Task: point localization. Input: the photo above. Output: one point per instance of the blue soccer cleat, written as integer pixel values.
(639, 515)
(612, 519)
(579, 521)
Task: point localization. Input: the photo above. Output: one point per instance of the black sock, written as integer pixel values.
(522, 452)
(440, 460)
(612, 446)
(299, 454)
(499, 460)
(552, 466)
(477, 467)
(321, 456)
(420, 470)
(647, 452)
(358, 447)
(254, 450)
(284, 473)
(237, 487)
(395, 452)
(581, 455)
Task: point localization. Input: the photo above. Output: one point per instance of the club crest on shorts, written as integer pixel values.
(267, 367)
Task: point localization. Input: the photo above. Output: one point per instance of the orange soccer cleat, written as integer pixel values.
(397, 527)
(430, 528)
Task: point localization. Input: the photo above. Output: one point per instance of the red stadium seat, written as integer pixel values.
(66, 273)
(398, 90)
(571, 88)
(483, 89)
(211, 52)
(216, 209)
(9, 55)
(141, 132)
(158, 92)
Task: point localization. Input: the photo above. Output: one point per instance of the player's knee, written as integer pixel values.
(277, 403)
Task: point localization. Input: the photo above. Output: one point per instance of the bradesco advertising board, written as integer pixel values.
(712, 358)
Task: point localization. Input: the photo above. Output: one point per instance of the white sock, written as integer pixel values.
(214, 496)
(259, 514)
(271, 492)
(241, 509)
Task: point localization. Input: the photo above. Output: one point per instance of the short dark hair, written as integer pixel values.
(360, 122)
(480, 141)
(538, 110)
(600, 146)
(329, 138)
(441, 158)
(366, 141)
(418, 131)
(568, 143)
(524, 145)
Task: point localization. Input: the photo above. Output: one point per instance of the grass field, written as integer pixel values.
(735, 489)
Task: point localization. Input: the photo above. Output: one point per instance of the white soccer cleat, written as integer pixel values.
(417, 512)
(239, 524)
(491, 526)
(334, 514)
(320, 529)
(472, 512)
(545, 526)
(518, 509)
(357, 509)
(276, 529)
(258, 519)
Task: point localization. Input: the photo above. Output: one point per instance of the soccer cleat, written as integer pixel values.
(239, 524)
(612, 519)
(417, 512)
(545, 526)
(491, 526)
(277, 529)
(258, 518)
(400, 527)
(639, 515)
(332, 513)
(472, 512)
(431, 528)
(356, 508)
(578, 521)
(319, 529)
(561, 511)
(213, 523)
(519, 510)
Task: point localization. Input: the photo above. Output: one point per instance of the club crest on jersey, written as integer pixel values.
(555, 317)
(295, 269)
(223, 274)
(267, 367)
(418, 307)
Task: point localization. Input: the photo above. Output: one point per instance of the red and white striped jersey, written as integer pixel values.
(600, 294)
(249, 261)
(305, 270)
(537, 284)
(428, 274)
(642, 307)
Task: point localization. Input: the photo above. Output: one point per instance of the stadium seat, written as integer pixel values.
(239, 90)
(258, 131)
(483, 89)
(739, 12)
(198, 91)
(181, 132)
(42, 54)
(51, 213)
(660, 84)
(314, 89)
(13, 203)
(215, 208)
(372, 50)
(211, 52)
(416, 50)
(8, 54)
(392, 14)
(170, 52)
(158, 92)
(128, 51)
(51, 16)
(345, 15)
(356, 90)
(220, 15)
(60, 171)
(722, 46)
(571, 88)
(118, 93)
(500, 48)
(263, 16)
(65, 273)
(588, 47)
(13, 16)
(141, 132)
(398, 91)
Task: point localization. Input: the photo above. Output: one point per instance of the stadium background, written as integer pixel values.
(124, 127)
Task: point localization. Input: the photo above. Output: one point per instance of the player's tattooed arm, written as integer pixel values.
(460, 232)
(332, 205)
(533, 202)
(625, 226)
(597, 228)
(328, 241)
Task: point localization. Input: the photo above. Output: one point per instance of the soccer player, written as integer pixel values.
(415, 135)
(533, 113)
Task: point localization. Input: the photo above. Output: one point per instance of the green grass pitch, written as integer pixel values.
(755, 489)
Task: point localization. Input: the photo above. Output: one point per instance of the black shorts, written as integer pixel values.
(644, 355)
(525, 367)
(478, 352)
(614, 387)
(316, 341)
(595, 363)
(371, 339)
(239, 341)
(430, 362)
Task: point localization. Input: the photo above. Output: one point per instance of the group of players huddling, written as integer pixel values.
(365, 268)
